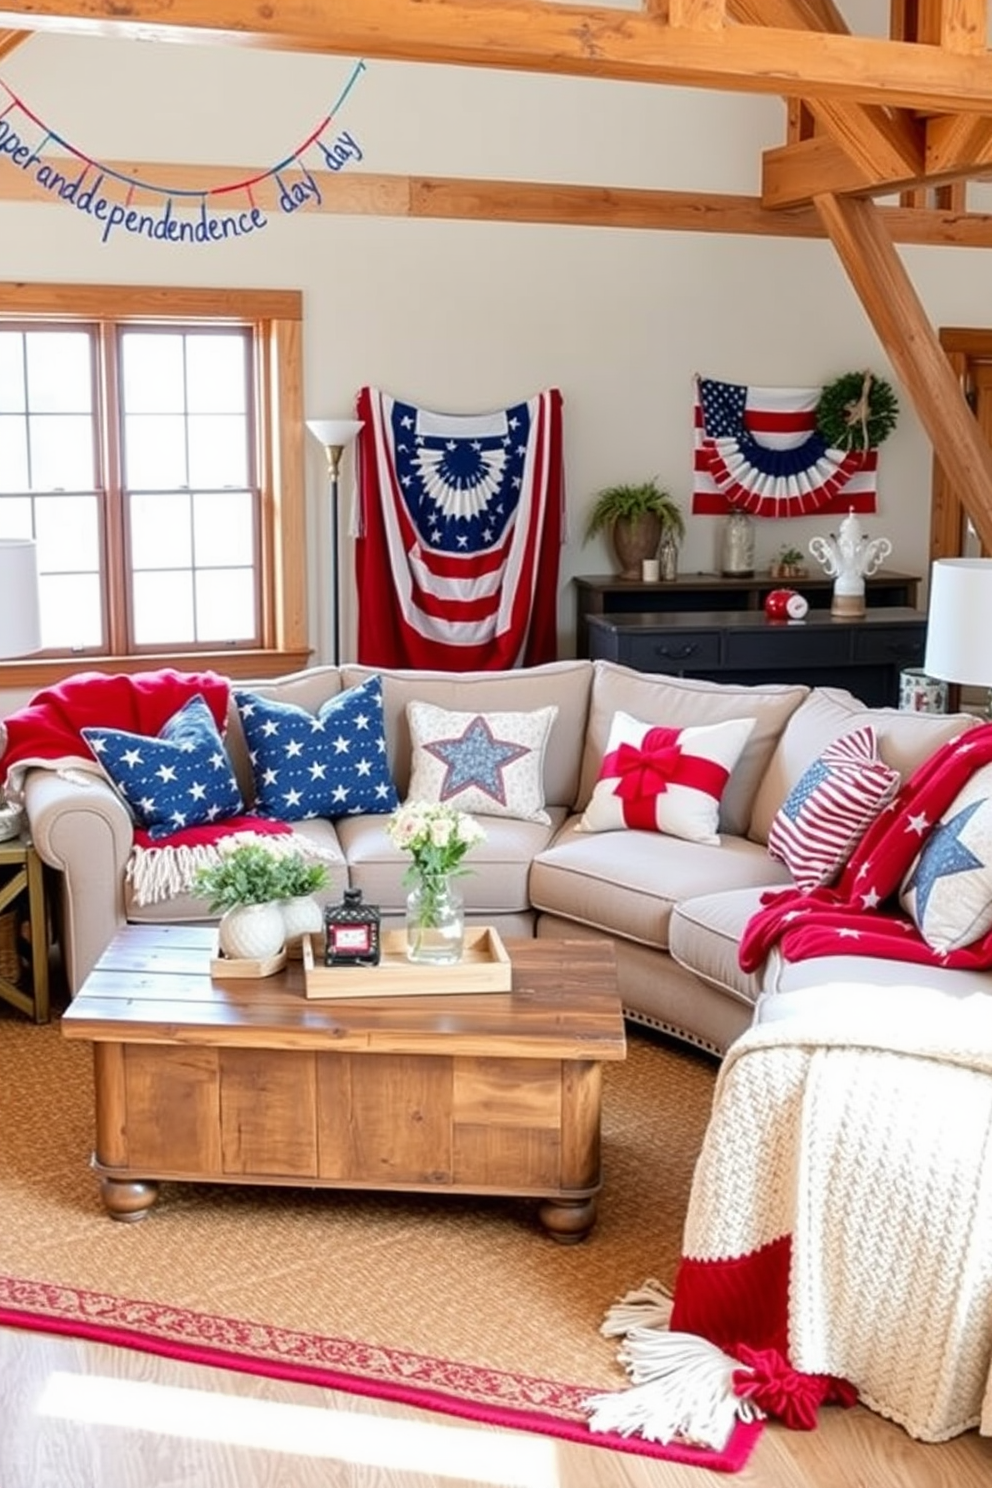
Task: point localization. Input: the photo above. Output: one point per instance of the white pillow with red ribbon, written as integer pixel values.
(666, 780)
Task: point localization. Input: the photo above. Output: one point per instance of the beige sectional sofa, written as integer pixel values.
(674, 909)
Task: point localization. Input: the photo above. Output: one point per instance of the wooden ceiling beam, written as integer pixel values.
(958, 142)
(790, 15)
(704, 15)
(958, 25)
(886, 292)
(530, 36)
(11, 39)
(356, 193)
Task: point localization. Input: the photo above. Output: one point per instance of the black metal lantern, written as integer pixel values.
(351, 932)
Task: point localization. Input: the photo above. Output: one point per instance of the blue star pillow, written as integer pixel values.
(180, 778)
(490, 764)
(948, 889)
(328, 764)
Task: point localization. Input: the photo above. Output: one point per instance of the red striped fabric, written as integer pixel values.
(830, 808)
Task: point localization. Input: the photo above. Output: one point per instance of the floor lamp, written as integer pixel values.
(335, 435)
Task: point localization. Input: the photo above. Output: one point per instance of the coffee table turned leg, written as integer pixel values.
(127, 1200)
(566, 1220)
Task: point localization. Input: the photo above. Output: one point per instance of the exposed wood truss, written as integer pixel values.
(541, 37)
(868, 116)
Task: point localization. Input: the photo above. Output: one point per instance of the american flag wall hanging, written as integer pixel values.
(758, 449)
(460, 530)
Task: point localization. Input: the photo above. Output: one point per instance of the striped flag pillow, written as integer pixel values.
(831, 807)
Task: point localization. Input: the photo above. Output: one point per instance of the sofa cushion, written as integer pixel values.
(331, 764)
(706, 932)
(948, 889)
(181, 777)
(830, 808)
(677, 702)
(498, 867)
(561, 684)
(664, 779)
(904, 741)
(627, 883)
(488, 764)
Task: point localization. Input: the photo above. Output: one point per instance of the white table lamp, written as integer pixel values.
(20, 615)
(335, 435)
(959, 624)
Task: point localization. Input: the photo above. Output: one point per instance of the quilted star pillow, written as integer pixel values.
(830, 808)
(490, 764)
(180, 778)
(328, 764)
(948, 890)
(665, 779)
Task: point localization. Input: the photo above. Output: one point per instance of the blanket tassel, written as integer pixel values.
(647, 1306)
(683, 1389)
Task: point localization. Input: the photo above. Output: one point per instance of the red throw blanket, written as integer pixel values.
(860, 915)
(47, 731)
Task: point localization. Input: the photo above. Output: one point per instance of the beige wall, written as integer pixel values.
(465, 316)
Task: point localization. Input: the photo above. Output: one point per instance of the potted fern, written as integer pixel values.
(639, 518)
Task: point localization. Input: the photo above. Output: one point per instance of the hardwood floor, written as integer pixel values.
(80, 1415)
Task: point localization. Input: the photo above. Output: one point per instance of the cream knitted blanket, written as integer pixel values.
(862, 1128)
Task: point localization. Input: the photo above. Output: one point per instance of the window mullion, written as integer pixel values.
(116, 565)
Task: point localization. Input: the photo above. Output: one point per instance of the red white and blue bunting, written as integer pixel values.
(758, 449)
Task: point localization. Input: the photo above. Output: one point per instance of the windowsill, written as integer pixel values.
(250, 665)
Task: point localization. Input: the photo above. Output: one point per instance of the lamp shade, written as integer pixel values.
(959, 624)
(20, 618)
(334, 433)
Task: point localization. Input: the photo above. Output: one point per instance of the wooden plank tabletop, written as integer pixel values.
(153, 985)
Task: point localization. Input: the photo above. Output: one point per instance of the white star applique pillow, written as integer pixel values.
(489, 764)
(948, 889)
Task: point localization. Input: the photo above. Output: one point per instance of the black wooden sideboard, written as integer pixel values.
(608, 594)
(864, 655)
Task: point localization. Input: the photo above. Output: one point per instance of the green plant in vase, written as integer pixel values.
(247, 886)
(638, 518)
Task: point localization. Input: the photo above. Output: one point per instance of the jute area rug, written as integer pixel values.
(456, 1304)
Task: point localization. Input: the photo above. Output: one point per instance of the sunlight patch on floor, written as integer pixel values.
(506, 1459)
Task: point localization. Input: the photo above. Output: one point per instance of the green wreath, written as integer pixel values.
(856, 411)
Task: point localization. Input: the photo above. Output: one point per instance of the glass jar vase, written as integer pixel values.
(737, 550)
(435, 922)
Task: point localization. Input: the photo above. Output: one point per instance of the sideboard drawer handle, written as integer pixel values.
(676, 653)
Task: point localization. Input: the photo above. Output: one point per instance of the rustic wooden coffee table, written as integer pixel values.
(248, 1081)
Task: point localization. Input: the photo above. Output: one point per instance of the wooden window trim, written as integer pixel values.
(279, 315)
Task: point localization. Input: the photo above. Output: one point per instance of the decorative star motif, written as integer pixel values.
(944, 855)
(475, 757)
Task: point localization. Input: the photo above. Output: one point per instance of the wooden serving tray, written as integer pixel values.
(222, 966)
(484, 967)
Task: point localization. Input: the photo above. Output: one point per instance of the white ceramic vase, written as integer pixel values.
(301, 915)
(252, 932)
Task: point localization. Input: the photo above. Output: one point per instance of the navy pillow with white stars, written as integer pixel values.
(330, 764)
(180, 778)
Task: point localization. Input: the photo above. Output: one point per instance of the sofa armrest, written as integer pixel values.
(82, 829)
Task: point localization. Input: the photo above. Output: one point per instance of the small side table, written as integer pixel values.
(22, 875)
